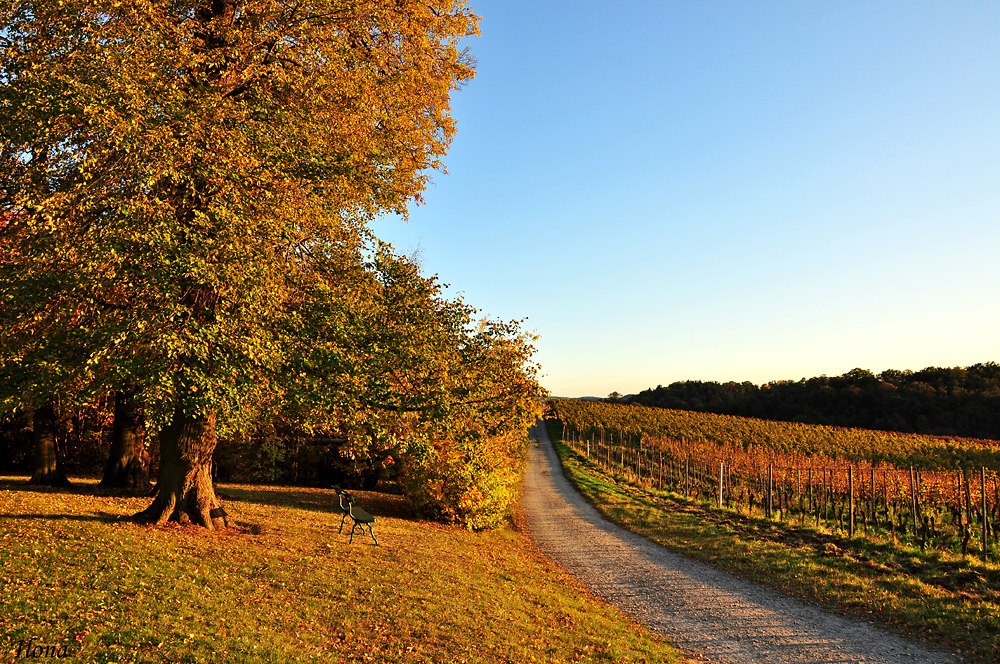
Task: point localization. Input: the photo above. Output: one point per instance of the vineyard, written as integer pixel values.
(935, 492)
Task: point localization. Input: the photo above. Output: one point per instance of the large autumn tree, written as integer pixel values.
(170, 170)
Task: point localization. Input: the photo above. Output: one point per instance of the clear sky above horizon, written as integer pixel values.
(725, 190)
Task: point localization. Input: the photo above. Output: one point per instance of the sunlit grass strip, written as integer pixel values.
(944, 600)
(287, 588)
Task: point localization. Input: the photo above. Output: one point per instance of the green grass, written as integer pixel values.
(286, 587)
(946, 601)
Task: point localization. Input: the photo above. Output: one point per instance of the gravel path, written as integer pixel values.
(706, 613)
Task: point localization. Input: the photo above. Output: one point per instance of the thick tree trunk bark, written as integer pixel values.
(48, 464)
(128, 461)
(184, 491)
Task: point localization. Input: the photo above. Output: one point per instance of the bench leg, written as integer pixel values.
(370, 532)
(342, 523)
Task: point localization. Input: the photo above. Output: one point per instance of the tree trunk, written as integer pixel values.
(184, 491)
(48, 463)
(128, 461)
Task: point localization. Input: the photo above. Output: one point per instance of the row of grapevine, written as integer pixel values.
(855, 493)
(899, 449)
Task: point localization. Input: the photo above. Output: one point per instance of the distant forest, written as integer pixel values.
(938, 401)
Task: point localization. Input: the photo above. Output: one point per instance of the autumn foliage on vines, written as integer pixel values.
(934, 491)
(770, 437)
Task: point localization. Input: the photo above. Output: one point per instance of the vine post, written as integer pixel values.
(721, 466)
(967, 476)
(826, 511)
(809, 481)
(770, 491)
(659, 484)
(982, 495)
(850, 491)
(871, 501)
(961, 513)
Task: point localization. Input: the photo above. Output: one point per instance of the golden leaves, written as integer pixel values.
(172, 142)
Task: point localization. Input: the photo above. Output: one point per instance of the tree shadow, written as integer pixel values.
(318, 500)
(80, 486)
(103, 517)
(76, 488)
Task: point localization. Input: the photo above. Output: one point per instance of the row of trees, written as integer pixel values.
(958, 401)
(184, 207)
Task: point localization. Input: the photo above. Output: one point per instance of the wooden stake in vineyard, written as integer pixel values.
(871, 503)
(809, 481)
(982, 493)
(850, 491)
(968, 511)
(961, 516)
(798, 486)
(659, 484)
(826, 492)
(721, 468)
(770, 490)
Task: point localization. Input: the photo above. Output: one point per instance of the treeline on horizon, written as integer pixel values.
(957, 401)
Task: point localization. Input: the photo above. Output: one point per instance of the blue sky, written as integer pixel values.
(725, 190)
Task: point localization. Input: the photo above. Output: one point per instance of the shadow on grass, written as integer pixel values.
(83, 486)
(318, 500)
(22, 484)
(103, 517)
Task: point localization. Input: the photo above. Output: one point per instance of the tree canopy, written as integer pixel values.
(185, 196)
(171, 166)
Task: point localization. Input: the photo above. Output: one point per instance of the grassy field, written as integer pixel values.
(286, 587)
(944, 600)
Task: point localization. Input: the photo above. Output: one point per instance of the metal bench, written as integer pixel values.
(358, 515)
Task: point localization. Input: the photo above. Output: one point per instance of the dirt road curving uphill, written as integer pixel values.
(707, 614)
